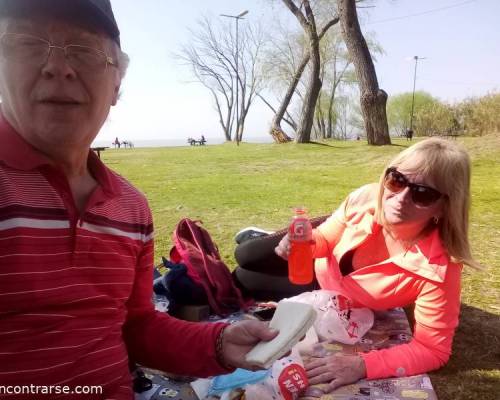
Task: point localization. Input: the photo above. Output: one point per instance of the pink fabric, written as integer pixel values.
(424, 276)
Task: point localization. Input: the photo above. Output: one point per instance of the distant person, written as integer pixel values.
(77, 238)
(398, 242)
(409, 134)
(117, 142)
(202, 140)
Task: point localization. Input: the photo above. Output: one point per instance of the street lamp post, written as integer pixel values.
(416, 58)
(237, 18)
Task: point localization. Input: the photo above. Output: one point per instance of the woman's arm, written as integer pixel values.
(436, 318)
(328, 234)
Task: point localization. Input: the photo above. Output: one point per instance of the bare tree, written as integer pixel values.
(286, 60)
(335, 65)
(373, 99)
(307, 20)
(348, 116)
(249, 75)
(212, 56)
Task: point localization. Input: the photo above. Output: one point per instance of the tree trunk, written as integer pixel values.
(308, 23)
(311, 97)
(331, 103)
(278, 117)
(373, 99)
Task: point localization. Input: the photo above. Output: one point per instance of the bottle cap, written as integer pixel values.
(300, 210)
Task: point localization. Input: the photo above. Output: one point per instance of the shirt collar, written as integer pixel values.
(18, 154)
(427, 258)
(109, 181)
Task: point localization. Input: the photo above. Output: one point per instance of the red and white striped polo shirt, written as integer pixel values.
(75, 288)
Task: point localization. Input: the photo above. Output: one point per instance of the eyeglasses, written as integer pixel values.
(34, 50)
(421, 195)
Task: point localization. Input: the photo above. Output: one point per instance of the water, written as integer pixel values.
(179, 142)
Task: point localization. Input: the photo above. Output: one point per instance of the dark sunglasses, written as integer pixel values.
(421, 195)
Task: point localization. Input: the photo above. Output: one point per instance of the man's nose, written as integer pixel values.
(57, 64)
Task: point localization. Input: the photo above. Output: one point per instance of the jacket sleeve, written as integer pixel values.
(436, 318)
(157, 340)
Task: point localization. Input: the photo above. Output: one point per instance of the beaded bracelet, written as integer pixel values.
(219, 355)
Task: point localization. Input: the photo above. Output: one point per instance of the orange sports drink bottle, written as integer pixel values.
(300, 260)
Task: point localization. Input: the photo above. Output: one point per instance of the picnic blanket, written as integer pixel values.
(389, 329)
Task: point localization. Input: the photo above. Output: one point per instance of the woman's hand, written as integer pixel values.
(283, 248)
(335, 370)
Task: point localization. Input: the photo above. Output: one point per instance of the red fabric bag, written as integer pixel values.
(194, 248)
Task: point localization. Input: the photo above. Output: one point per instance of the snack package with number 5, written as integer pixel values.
(287, 380)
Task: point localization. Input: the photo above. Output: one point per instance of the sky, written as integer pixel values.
(459, 39)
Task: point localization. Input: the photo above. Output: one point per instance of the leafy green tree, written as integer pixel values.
(479, 116)
(430, 115)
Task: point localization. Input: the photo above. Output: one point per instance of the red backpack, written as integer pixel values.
(194, 248)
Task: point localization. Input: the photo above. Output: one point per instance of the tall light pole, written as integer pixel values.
(237, 19)
(416, 58)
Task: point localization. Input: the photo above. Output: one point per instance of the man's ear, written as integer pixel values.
(116, 92)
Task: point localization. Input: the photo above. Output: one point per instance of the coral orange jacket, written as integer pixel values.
(424, 276)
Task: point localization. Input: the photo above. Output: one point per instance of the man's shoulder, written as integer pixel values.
(127, 188)
(127, 204)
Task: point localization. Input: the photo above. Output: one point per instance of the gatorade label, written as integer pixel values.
(299, 230)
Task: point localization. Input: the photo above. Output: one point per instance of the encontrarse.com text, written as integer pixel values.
(37, 389)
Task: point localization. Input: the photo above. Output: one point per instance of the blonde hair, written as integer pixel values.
(448, 165)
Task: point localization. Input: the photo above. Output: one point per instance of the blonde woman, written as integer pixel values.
(402, 241)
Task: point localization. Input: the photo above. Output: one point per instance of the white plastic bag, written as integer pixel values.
(337, 320)
(287, 380)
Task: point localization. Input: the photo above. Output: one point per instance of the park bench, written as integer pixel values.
(98, 150)
(194, 142)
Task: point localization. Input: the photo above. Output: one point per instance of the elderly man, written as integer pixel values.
(76, 249)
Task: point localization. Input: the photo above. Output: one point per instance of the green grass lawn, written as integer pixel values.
(230, 187)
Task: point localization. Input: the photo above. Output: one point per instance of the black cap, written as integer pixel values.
(99, 11)
(103, 10)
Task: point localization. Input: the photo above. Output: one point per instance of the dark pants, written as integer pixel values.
(263, 275)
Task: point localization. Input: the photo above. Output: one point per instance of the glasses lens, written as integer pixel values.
(395, 181)
(424, 196)
(86, 58)
(24, 48)
(32, 50)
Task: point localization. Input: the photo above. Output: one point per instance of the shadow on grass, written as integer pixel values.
(325, 144)
(401, 145)
(404, 146)
(473, 371)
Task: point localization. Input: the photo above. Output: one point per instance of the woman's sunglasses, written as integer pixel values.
(421, 195)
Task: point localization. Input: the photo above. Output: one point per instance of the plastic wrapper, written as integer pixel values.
(337, 320)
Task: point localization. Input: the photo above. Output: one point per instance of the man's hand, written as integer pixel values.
(335, 370)
(283, 248)
(240, 337)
